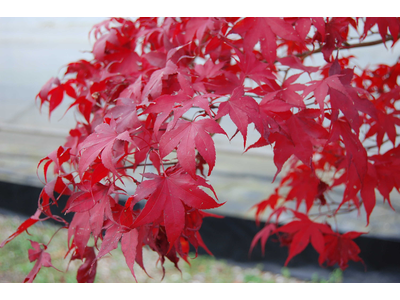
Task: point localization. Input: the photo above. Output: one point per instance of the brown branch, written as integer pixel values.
(143, 165)
(348, 46)
(218, 121)
(333, 213)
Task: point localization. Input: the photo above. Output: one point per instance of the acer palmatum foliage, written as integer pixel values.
(336, 129)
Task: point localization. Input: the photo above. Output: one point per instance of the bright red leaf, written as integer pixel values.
(243, 110)
(187, 136)
(304, 231)
(101, 142)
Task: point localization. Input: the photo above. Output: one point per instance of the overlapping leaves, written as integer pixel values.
(153, 96)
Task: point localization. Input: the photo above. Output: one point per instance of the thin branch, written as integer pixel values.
(54, 235)
(332, 213)
(286, 72)
(218, 121)
(143, 165)
(348, 46)
(376, 146)
(254, 96)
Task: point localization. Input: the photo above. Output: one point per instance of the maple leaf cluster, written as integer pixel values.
(153, 96)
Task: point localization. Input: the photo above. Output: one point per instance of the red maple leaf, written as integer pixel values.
(343, 97)
(384, 24)
(44, 92)
(87, 197)
(297, 137)
(56, 185)
(265, 31)
(23, 227)
(263, 205)
(101, 141)
(355, 152)
(58, 157)
(305, 185)
(154, 87)
(163, 106)
(110, 240)
(336, 31)
(263, 235)
(384, 166)
(304, 231)
(129, 244)
(187, 136)
(243, 110)
(167, 195)
(254, 69)
(42, 258)
(87, 271)
(212, 78)
(386, 124)
(339, 249)
(79, 230)
(125, 115)
(331, 85)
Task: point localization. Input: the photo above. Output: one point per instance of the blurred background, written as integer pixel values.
(32, 50)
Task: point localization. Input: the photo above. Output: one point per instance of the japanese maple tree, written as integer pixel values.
(154, 95)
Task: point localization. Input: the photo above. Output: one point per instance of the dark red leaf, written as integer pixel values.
(42, 259)
(167, 196)
(339, 249)
(304, 231)
(87, 271)
(101, 142)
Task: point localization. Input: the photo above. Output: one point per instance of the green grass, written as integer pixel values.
(335, 277)
(14, 263)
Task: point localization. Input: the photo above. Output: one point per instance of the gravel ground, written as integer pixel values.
(14, 263)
